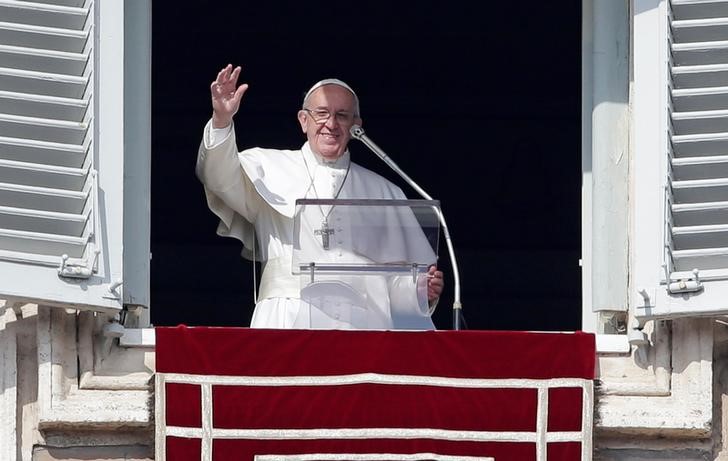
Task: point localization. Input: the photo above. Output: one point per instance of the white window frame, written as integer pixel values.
(647, 295)
(605, 116)
(121, 126)
(649, 137)
(648, 288)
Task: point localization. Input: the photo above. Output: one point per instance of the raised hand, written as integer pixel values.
(226, 96)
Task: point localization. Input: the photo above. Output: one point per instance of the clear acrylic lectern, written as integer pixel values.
(363, 263)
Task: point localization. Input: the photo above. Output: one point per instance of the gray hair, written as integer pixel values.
(332, 81)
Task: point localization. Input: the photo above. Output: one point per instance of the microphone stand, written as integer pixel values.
(357, 132)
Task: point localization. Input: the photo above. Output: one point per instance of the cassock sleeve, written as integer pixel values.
(408, 303)
(229, 193)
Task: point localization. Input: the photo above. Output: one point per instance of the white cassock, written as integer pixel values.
(254, 193)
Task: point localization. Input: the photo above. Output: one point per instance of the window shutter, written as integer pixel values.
(61, 153)
(695, 259)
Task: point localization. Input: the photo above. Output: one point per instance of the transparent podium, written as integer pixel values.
(363, 263)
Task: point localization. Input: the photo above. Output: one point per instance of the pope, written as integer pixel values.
(253, 192)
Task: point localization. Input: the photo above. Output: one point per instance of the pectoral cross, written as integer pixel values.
(324, 232)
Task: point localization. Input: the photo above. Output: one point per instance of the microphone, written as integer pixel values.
(357, 132)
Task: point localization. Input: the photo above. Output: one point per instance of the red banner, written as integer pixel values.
(242, 394)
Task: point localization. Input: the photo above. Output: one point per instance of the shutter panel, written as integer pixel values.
(61, 143)
(695, 262)
(47, 181)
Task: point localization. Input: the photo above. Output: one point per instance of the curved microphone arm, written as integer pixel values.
(357, 132)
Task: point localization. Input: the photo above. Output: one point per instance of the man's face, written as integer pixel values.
(328, 136)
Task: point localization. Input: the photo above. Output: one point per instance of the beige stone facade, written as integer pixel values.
(71, 393)
(68, 391)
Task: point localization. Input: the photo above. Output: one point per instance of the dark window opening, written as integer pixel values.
(479, 103)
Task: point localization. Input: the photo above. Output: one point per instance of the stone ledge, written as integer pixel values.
(94, 453)
(658, 416)
(93, 409)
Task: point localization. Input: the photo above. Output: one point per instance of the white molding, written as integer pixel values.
(542, 424)
(376, 433)
(207, 432)
(138, 337)
(375, 378)
(605, 157)
(649, 158)
(589, 318)
(160, 417)
(109, 136)
(138, 158)
(612, 344)
(610, 155)
(368, 457)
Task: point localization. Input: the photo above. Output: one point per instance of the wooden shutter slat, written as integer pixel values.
(33, 174)
(699, 144)
(42, 198)
(703, 30)
(702, 213)
(696, 168)
(43, 83)
(693, 99)
(46, 244)
(43, 60)
(73, 3)
(699, 9)
(697, 191)
(39, 106)
(37, 221)
(698, 76)
(43, 14)
(46, 38)
(701, 122)
(43, 129)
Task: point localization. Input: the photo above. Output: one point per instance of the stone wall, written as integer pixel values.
(68, 391)
(665, 401)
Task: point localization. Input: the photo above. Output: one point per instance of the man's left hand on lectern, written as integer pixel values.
(435, 283)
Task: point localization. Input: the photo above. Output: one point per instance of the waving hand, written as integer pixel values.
(226, 96)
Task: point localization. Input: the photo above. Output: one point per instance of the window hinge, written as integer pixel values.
(685, 285)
